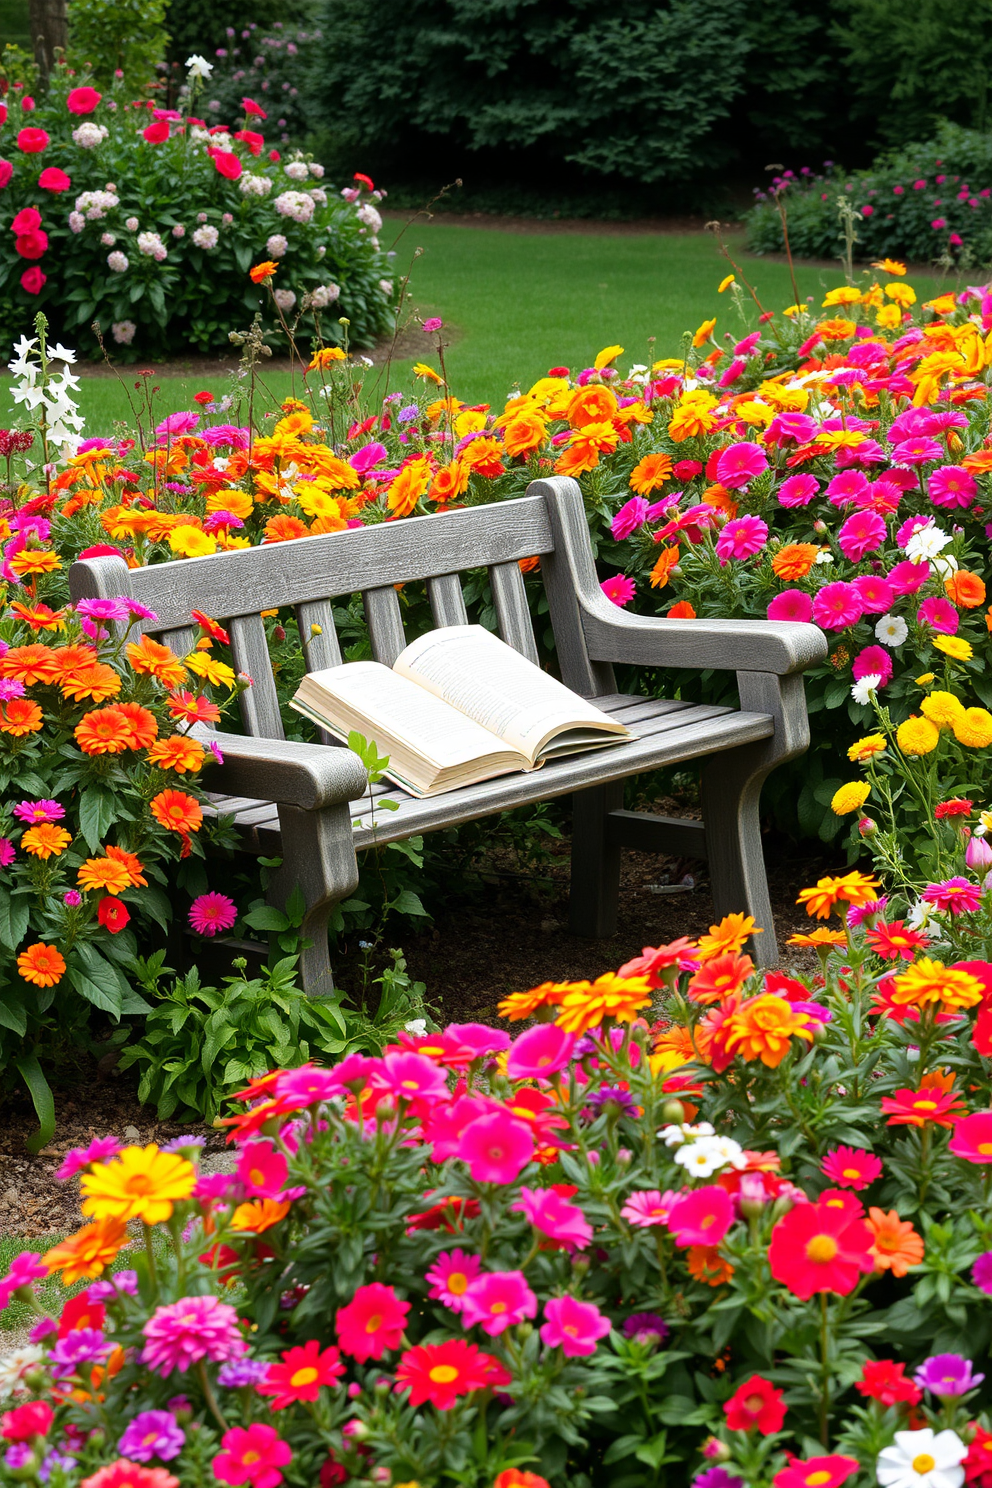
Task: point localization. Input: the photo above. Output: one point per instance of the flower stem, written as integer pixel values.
(209, 1396)
(825, 1362)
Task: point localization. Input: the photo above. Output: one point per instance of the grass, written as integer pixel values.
(519, 303)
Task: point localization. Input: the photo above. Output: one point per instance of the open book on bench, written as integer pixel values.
(457, 706)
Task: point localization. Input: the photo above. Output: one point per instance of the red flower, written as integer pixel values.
(365, 180)
(251, 107)
(157, 133)
(82, 100)
(227, 164)
(252, 140)
(301, 1374)
(893, 941)
(203, 398)
(332, 1473)
(957, 807)
(440, 1372)
(33, 280)
(918, 1107)
(112, 914)
(27, 1421)
(755, 1405)
(449, 1213)
(53, 179)
(27, 220)
(32, 141)
(31, 245)
(372, 1322)
(6, 171)
(977, 1465)
(885, 1381)
(822, 1247)
(80, 1312)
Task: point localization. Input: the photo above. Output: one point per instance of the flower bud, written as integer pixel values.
(781, 1207)
(820, 526)
(524, 1330)
(580, 1264)
(382, 1475)
(978, 854)
(866, 827)
(673, 1113)
(715, 1450)
(624, 1156)
(752, 1195)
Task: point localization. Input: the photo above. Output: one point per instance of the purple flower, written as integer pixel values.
(10, 687)
(981, 1272)
(153, 1433)
(123, 1283)
(717, 1477)
(185, 1144)
(101, 1149)
(645, 1326)
(103, 609)
(72, 898)
(52, 1460)
(80, 1346)
(18, 1456)
(612, 1095)
(43, 1328)
(947, 1375)
(39, 811)
(408, 414)
(242, 1373)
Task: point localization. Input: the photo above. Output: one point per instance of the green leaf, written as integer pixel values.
(407, 902)
(95, 979)
(41, 1098)
(14, 916)
(265, 917)
(97, 813)
(13, 1014)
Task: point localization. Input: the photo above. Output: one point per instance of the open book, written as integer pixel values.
(457, 706)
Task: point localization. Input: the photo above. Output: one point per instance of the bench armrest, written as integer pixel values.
(310, 776)
(775, 646)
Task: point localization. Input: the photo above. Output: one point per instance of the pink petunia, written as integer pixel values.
(631, 515)
(873, 661)
(701, 1216)
(739, 464)
(412, 1077)
(552, 1214)
(956, 895)
(939, 614)
(573, 1326)
(619, 589)
(798, 490)
(862, 533)
(497, 1300)
(451, 1276)
(791, 604)
(741, 537)
(648, 1207)
(372, 1322)
(540, 1052)
(837, 605)
(496, 1148)
(952, 485)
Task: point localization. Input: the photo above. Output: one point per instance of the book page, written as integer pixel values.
(498, 688)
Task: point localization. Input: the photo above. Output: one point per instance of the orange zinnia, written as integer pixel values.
(71, 660)
(409, 485)
(89, 1252)
(45, 840)
(896, 1244)
(449, 482)
(104, 731)
(262, 271)
(681, 611)
(707, 1264)
(523, 1004)
(179, 752)
(98, 682)
(30, 664)
(730, 935)
(794, 561)
(260, 1215)
(142, 725)
(819, 938)
(524, 434)
(34, 561)
(130, 862)
(103, 873)
(852, 888)
(594, 404)
(41, 964)
(284, 529)
(19, 717)
(721, 977)
(177, 811)
(763, 1028)
(150, 659)
(650, 473)
(585, 447)
(586, 1004)
(965, 589)
(664, 563)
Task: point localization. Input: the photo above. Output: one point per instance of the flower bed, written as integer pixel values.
(748, 1244)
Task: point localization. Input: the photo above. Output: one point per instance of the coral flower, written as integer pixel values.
(97, 682)
(41, 964)
(89, 1252)
(573, 1326)
(706, 1264)
(496, 1300)
(921, 1108)
(372, 1322)
(763, 1028)
(441, 1372)
(897, 1245)
(552, 1214)
(730, 935)
(450, 1277)
(179, 752)
(139, 1183)
(701, 1216)
(176, 811)
(816, 1472)
(514, 1478)
(972, 1138)
(893, 941)
(104, 731)
(820, 1248)
(127, 1474)
(586, 1004)
(885, 1381)
(262, 271)
(252, 1455)
(20, 717)
(851, 1167)
(301, 1374)
(151, 659)
(755, 1405)
(260, 1215)
(720, 978)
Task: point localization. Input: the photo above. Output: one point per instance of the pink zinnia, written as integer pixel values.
(372, 1322)
(877, 594)
(101, 1149)
(194, 1328)
(907, 577)
(262, 1170)
(837, 605)
(496, 1148)
(912, 452)
(540, 1052)
(39, 811)
(210, 913)
(862, 533)
(552, 1214)
(957, 895)
(648, 1207)
(573, 1326)
(412, 1077)
(252, 1454)
(741, 538)
(873, 661)
(798, 490)
(443, 1128)
(951, 485)
(631, 515)
(739, 464)
(497, 1300)
(851, 1167)
(451, 1276)
(972, 1138)
(24, 1269)
(791, 604)
(939, 614)
(701, 1216)
(619, 589)
(8, 852)
(848, 488)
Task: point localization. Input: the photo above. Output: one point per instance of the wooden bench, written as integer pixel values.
(293, 799)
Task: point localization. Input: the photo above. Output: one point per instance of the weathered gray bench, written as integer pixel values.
(292, 799)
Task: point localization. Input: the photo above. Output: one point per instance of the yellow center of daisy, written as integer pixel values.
(457, 1283)
(305, 1376)
(708, 1220)
(923, 1463)
(925, 1105)
(985, 1148)
(815, 1479)
(851, 1173)
(443, 1374)
(498, 1307)
(249, 1458)
(821, 1248)
(374, 1323)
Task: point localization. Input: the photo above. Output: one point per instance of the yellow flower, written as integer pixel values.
(917, 736)
(725, 283)
(866, 748)
(586, 1004)
(944, 304)
(730, 935)
(889, 317)
(763, 1028)
(925, 680)
(324, 357)
(190, 542)
(931, 981)
(850, 797)
(903, 294)
(421, 369)
(217, 673)
(837, 329)
(973, 728)
(846, 294)
(238, 503)
(819, 938)
(942, 708)
(890, 266)
(791, 310)
(704, 332)
(956, 647)
(140, 1183)
(606, 356)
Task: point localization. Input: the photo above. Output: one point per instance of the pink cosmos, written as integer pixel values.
(252, 1454)
(619, 589)
(798, 490)
(182, 1333)
(939, 614)
(877, 594)
(837, 605)
(873, 661)
(210, 913)
(846, 489)
(552, 1214)
(648, 1207)
(862, 533)
(957, 895)
(741, 537)
(540, 1052)
(101, 1149)
(372, 1322)
(913, 452)
(630, 516)
(791, 604)
(412, 1077)
(450, 1276)
(573, 1326)
(701, 1216)
(739, 464)
(840, 1162)
(951, 485)
(496, 1148)
(907, 577)
(262, 1170)
(497, 1300)
(24, 1269)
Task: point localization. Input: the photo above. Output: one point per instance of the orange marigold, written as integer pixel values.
(763, 1028)
(141, 724)
(586, 1004)
(177, 811)
(259, 1215)
(284, 528)
(708, 1265)
(409, 485)
(30, 664)
(851, 888)
(524, 1004)
(19, 717)
(179, 752)
(71, 660)
(594, 404)
(150, 659)
(820, 938)
(524, 434)
(45, 840)
(89, 1252)
(896, 1245)
(130, 862)
(794, 561)
(103, 731)
(450, 481)
(98, 682)
(41, 964)
(103, 873)
(650, 473)
(262, 271)
(34, 561)
(720, 978)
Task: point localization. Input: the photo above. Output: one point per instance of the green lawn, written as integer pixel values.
(519, 303)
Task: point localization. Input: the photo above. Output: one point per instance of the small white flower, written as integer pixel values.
(919, 915)
(675, 1136)
(862, 691)
(276, 245)
(296, 170)
(221, 462)
(131, 223)
(295, 204)
(891, 630)
(179, 231)
(386, 285)
(118, 261)
(151, 245)
(823, 558)
(922, 1459)
(252, 185)
(416, 1026)
(324, 295)
(944, 564)
(317, 171)
(89, 135)
(13, 1368)
(368, 214)
(707, 1155)
(108, 240)
(123, 331)
(205, 237)
(198, 67)
(76, 222)
(926, 542)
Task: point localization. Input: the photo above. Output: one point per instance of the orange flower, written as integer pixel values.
(586, 1004)
(34, 561)
(819, 938)
(720, 498)
(664, 563)
(89, 1252)
(524, 1004)
(965, 589)
(71, 660)
(104, 731)
(837, 329)
(260, 1215)
(103, 873)
(708, 1265)
(852, 888)
(45, 840)
(524, 434)
(149, 659)
(262, 271)
(179, 752)
(39, 616)
(449, 482)
(650, 473)
(41, 964)
(19, 717)
(721, 977)
(284, 529)
(585, 447)
(514, 1478)
(681, 611)
(30, 664)
(763, 1028)
(142, 725)
(896, 1244)
(672, 1049)
(176, 811)
(730, 935)
(594, 404)
(794, 561)
(130, 863)
(409, 485)
(98, 682)
(322, 358)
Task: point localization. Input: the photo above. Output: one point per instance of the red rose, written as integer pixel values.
(27, 1421)
(53, 179)
(252, 140)
(112, 914)
(158, 133)
(31, 244)
(227, 164)
(82, 100)
(32, 141)
(6, 171)
(33, 280)
(27, 104)
(274, 155)
(27, 220)
(251, 107)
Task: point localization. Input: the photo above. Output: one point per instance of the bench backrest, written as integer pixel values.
(309, 572)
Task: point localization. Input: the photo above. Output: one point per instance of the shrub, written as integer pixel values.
(146, 223)
(269, 64)
(118, 38)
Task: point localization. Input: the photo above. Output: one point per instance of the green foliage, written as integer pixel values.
(267, 64)
(111, 37)
(196, 28)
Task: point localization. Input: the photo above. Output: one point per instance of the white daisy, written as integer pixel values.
(891, 630)
(708, 1155)
(13, 1368)
(922, 1459)
(863, 690)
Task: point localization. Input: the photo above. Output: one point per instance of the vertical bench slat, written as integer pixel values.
(259, 703)
(382, 610)
(180, 641)
(447, 603)
(512, 610)
(322, 650)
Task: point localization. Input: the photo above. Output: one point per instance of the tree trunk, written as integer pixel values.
(49, 24)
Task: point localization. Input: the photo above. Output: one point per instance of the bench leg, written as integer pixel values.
(731, 793)
(319, 858)
(595, 887)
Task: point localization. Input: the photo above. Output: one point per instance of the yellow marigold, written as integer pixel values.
(924, 680)
(973, 728)
(917, 736)
(942, 708)
(324, 357)
(525, 1004)
(903, 294)
(944, 304)
(866, 748)
(421, 369)
(819, 939)
(672, 1049)
(606, 356)
(45, 840)
(140, 1183)
(852, 888)
(794, 561)
(103, 873)
(217, 673)
(34, 561)
(586, 1004)
(730, 935)
(846, 294)
(725, 283)
(890, 266)
(889, 317)
(837, 329)
(238, 503)
(704, 332)
(87, 1253)
(956, 647)
(929, 981)
(190, 542)
(850, 797)
(763, 1028)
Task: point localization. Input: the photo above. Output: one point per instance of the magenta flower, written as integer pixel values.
(939, 614)
(837, 605)
(741, 537)
(907, 577)
(497, 1300)
(262, 1170)
(947, 1376)
(849, 488)
(450, 1276)
(798, 490)
(873, 661)
(24, 1269)
(443, 1128)
(151, 1434)
(252, 1455)
(540, 1052)
(619, 589)
(412, 1077)
(791, 604)
(745, 347)
(496, 1148)
(210, 913)
(111, 610)
(913, 452)
(466, 1042)
(739, 464)
(39, 811)
(938, 223)
(877, 594)
(8, 852)
(732, 372)
(11, 687)
(631, 515)
(182, 1333)
(434, 323)
(791, 428)
(573, 1326)
(101, 1149)
(701, 1216)
(176, 424)
(981, 1273)
(554, 1216)
(648, 1207)
(851, 1167)
(956, 895)
(862, 533)
(366, 458)
(952, 485)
